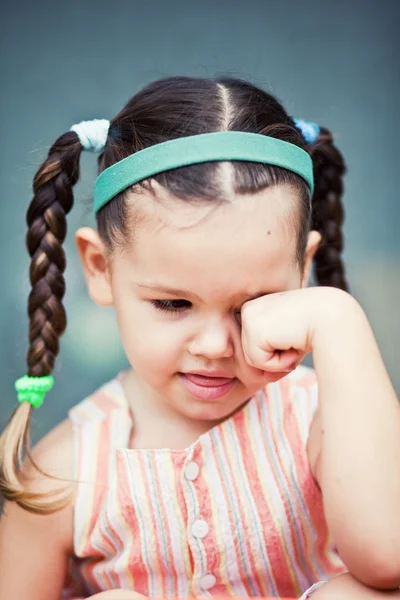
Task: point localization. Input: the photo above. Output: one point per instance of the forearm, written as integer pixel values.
(119, 594)
(345, 587)
(360, 448)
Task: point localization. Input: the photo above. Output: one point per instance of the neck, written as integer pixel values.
(155, 423)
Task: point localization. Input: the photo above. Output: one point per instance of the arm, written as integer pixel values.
(358, 463)
(34, 548)
(119, 594)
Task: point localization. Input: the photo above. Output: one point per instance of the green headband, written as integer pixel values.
(205, 147)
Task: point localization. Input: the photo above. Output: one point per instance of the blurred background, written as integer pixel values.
(336, 63)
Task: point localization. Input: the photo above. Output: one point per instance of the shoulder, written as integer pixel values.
(101, 403)
(302, 377)
(305, 404)
(303, 384)
(55, 452)
(49, 476)
(297, 395)
(298, 390)
(294, 400)
(54, 455)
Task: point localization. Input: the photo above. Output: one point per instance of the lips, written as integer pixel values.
(207, 386)
(207, 380)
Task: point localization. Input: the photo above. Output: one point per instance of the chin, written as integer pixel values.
(213, 410)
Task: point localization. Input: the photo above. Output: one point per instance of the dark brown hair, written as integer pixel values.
(166, 109)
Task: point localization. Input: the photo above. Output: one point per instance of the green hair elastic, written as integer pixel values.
(33, 389)
(204, 147)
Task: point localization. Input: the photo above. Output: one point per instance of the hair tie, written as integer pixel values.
(33, 389)
(92, 134)
(309, 130)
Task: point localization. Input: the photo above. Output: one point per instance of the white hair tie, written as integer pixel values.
(92, 134)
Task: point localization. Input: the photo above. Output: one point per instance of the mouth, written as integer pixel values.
(207, 385)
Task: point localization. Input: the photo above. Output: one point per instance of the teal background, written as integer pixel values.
(335, 63)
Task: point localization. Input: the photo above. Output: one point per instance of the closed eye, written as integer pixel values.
(171, 306)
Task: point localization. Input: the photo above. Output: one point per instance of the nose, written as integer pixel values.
(212, 340)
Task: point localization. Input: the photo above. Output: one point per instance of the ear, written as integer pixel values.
(95, 263)
(313, 242)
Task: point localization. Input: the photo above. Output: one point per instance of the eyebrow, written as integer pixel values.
(168, 290)
(178, 292)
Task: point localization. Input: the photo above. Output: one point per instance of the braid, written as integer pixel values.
(47, 228)
(327, 210)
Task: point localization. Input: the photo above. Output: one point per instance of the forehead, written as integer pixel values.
(211, 248)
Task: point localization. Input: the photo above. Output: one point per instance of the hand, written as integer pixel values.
(278, 329)
(117, 595)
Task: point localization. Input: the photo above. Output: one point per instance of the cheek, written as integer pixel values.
(153, 347)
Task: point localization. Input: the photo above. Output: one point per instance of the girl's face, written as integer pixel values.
(178, 287)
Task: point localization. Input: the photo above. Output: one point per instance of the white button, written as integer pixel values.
(199, 528)
(192, 471)
(207, 582)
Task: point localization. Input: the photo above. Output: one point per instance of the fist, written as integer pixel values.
(277, 330)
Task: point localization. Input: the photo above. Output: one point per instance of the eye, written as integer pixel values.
(171, 306)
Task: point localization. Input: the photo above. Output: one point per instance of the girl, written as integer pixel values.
(212, 467)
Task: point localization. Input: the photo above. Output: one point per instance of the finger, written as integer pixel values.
(255, 356)
(284, 361)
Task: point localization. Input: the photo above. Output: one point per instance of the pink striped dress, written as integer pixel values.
(237, 513)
